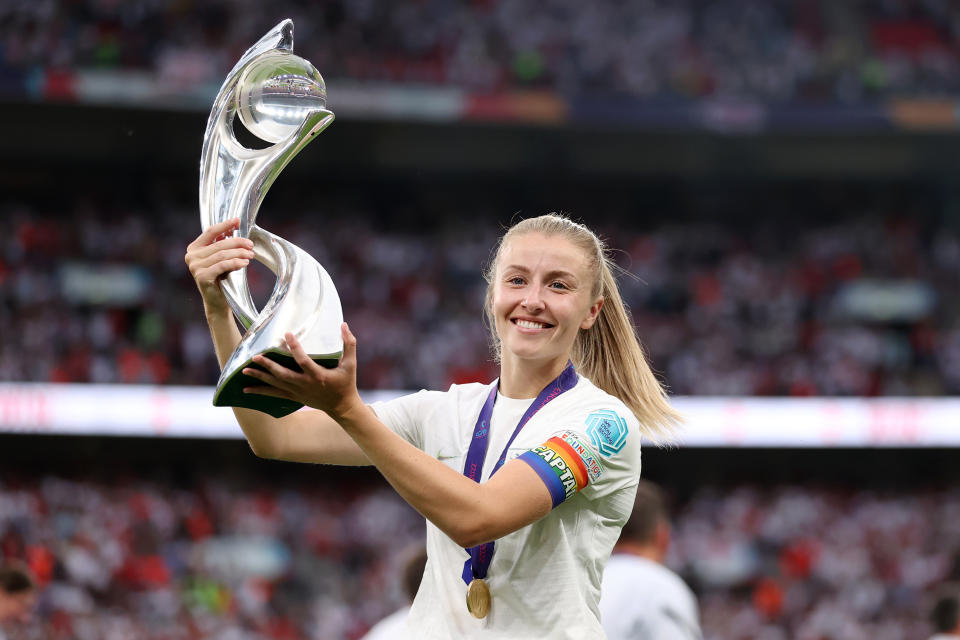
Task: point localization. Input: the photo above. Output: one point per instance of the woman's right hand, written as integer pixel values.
(212, 255)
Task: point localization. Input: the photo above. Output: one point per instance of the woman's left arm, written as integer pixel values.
(469, 513)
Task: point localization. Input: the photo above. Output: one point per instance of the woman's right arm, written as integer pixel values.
(309, 435)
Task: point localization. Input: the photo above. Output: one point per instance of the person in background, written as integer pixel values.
(18, 594)
(641, 599)
(393, 625)
(945, 617)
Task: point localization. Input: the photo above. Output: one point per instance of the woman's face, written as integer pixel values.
(542, 297)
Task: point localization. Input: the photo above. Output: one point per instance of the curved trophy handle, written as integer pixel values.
(280, 98)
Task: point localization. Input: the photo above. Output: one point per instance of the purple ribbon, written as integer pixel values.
(480, 556)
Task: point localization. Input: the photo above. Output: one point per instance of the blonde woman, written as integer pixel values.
(525, 482)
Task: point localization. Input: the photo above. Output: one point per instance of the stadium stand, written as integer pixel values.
(822, 296)
(765, 50)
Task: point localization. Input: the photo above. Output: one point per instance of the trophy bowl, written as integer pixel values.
(276, 93)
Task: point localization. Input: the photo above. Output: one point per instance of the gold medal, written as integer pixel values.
(478, 598)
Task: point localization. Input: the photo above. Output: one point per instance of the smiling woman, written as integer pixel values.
(517, 540)
(573, 261)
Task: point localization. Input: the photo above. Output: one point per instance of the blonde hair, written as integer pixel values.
(609, 353)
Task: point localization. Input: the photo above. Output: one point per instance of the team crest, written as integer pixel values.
(607, 431)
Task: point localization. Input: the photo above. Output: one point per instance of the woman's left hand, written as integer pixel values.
(333, 391)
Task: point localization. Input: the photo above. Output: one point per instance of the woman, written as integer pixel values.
(544, 461)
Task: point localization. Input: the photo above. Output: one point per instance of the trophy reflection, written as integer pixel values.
(281, 99)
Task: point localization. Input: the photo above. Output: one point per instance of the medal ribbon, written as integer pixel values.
(480, 556)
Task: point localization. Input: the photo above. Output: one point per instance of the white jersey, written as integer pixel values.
(391, 627)
(643, 600)
(544, 579)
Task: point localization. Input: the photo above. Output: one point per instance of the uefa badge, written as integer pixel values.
(607, 431)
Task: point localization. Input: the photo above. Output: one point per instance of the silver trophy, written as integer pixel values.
(280, 98)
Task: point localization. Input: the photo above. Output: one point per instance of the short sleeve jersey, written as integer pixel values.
(545, 578)
(643, 600)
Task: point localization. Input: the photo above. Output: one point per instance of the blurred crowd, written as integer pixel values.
(761, 50)
(224, 560)
(794, 563)
(856, 302)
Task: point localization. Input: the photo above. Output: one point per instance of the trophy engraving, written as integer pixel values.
(280, 98)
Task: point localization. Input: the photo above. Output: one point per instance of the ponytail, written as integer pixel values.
(611, 356)
(609, 353)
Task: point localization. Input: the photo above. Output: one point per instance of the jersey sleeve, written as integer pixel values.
(406, 415)
(598, 454)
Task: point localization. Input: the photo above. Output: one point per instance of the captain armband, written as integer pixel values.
(565, 464)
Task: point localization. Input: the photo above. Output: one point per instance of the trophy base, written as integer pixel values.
(230, 392)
